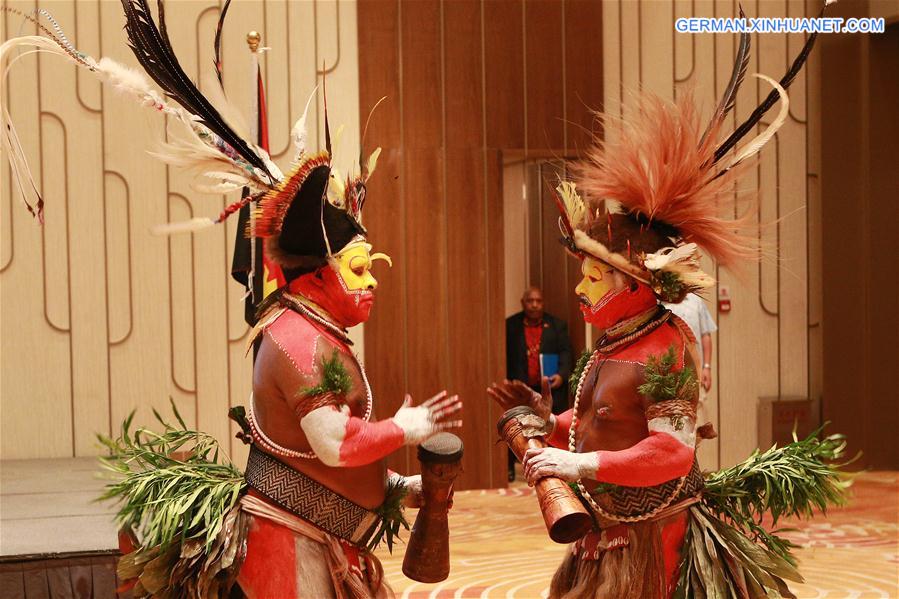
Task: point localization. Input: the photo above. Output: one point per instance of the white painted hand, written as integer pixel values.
(420, 422)
(549, 461)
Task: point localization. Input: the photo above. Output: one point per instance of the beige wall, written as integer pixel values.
(768, 344)
(98, 316)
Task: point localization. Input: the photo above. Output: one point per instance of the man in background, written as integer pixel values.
(537, 345)
(694, 312)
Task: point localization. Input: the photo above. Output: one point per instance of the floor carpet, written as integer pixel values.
(500, 547)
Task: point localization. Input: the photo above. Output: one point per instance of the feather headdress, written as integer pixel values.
(208, 141)
(655, 194)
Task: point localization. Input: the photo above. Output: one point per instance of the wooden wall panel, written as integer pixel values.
(468, 311)
(23, 300)
(462, 65)
(504, 99)
(859, 132)
(495, 335)
(477, 83)
(425, 216)
(584, 84)
(544, 74)
(379, 76)
(99, 317)
(883, 297)
(468, 285)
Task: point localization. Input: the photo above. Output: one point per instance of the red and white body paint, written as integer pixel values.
(666, 453)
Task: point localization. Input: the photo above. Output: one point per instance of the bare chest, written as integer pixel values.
(610, 410)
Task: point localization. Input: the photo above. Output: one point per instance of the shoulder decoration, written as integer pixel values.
(664, 382)
(578, 371)
(335, 378)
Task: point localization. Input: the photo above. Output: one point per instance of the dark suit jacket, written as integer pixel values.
(554, 340)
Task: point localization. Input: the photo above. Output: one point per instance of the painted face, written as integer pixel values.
(608, 296)
(345, 287)
(599, 280)
(354, 267)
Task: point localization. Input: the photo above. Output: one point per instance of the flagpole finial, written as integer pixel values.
(253, 40)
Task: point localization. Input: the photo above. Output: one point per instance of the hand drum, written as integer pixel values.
(564, 514)
(427, 554)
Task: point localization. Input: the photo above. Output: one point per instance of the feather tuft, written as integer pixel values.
(573, 203)
(655, 166)
(126, 80)
(188, 226)
(298, 133)
(729, 97)
(371, 163)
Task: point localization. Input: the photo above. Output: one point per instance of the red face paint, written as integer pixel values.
(616, 306)
(326, 288)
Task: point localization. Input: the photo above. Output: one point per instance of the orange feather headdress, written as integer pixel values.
(654, 194)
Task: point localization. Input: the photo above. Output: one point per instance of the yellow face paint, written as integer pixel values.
(354, 265)
(598, 280)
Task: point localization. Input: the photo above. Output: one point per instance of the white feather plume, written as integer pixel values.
(298, 133)
(372, 162)
(574, 204)
(188, 226)
(126, 80)
(682, 261)
(756, 144)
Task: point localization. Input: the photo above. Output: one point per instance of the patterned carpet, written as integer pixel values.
(500, 547)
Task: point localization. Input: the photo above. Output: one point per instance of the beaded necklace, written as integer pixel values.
(299, 306)
(572, 441)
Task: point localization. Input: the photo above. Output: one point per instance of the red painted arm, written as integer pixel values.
(559, 436)
(655, 460)
(341, 440)
(367, 442)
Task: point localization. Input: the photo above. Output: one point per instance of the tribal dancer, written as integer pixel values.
(316, 471)
(653, 197)
(316, 496)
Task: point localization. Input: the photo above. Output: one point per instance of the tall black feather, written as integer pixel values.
(729, 97)
(154, 52)
(160, 8)
(772, 98)
(325, 102)
(218, 41)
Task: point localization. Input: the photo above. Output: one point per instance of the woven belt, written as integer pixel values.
(309, 499)
(635, 501)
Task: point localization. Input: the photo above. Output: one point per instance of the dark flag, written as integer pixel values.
(267, 276)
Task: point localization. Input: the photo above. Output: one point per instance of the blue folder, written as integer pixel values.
(549, 364)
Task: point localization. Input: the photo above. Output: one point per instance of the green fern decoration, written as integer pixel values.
(335, 378)
(790, 481)
(668, 286)
(171, 485)
(579, 366)
(662, 384)
(391, 513)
